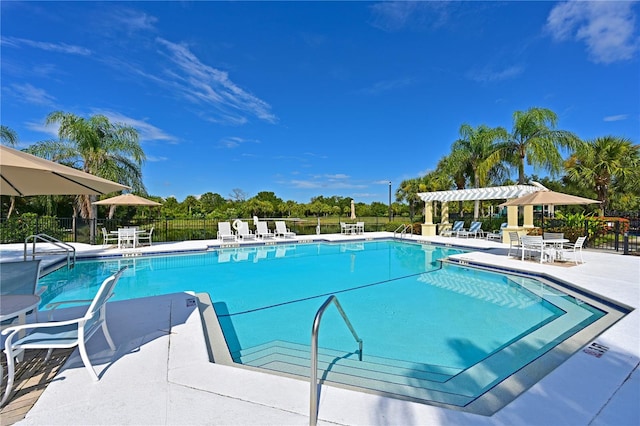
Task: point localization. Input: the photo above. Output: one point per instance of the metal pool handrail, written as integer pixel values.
(313, 406)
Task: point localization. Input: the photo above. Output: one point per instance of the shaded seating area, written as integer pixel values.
(62, 334)
(534, 245)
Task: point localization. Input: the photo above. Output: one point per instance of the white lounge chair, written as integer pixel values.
(225, 233)
(457, 226)
(263, 231)
(283, 231)
(62, 334)
(243, 231)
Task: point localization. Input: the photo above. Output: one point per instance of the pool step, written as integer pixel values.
(400, 378)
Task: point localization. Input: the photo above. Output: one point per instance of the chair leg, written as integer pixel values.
(107, 336)
(10, 377)
(86, 361)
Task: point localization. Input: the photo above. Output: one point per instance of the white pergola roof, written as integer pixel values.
(492, 193)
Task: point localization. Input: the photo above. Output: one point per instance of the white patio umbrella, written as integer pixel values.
(23, 174)
(353, 210)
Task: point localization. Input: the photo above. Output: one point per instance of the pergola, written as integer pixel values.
(492, 193)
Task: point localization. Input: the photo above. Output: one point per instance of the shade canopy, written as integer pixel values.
(547, 198)
(23, 174)
(126, 200)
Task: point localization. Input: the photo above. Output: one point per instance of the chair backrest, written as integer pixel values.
(580, 242)
(502, 226)
(458, 225)
(105, 232)
(553, 235)
(281, 227)
(514, 238)
(243, 228)
(475, 226)
(262, 228)
(224, 228)
(127, 232)
(95, 313)
(531, 240)
(19, 277)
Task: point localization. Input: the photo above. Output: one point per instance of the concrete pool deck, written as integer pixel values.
(161, 374)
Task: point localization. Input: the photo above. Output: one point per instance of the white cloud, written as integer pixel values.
(146, 131)
(618, 117)
(203, 84)
(31, 95)
(386, 86)
(234, 141)
(606, 27)
(51, 47)
(398, 15)
(487, 74)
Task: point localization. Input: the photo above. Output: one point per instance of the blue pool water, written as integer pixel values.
(414, 314)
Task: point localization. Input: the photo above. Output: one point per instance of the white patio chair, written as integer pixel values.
(576, 248)
(535, 244)
(62, 334)
(225, 233)
(359, 228)
(263, 231)
(127, 237)
(514, 242)
(283, 231)
(145, 236)
(108, 238)
(243, 231)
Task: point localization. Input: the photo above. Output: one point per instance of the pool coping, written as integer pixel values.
(583, 390)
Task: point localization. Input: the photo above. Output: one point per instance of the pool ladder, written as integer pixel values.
(402, 230)
(60, 248)
(313, 406)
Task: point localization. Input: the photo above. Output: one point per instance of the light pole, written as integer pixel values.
(389, 201)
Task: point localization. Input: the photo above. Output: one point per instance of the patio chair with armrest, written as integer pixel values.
(474, 230)
(282, 230)
(457, 226)
(576, 248)
(108, 238)
(535, 244)
(497, 234)
(62, 334)
(243, 231)
(514, 242)
(145, 236)
(263, 231)
(225, 233)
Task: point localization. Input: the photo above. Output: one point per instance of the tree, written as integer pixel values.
(606, 164)
(96, 146)
(477, 153)
(408, 191)
(535, 140)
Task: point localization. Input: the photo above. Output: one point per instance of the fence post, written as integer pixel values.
(617, 235)
(626, 243)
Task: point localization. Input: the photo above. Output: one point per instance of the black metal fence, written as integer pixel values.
(611, 234)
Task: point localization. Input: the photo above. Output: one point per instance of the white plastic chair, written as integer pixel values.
(108, 238)
(282, 230)
(145, 236)
(224, 232)
(262, 231)
(243, 231)
(514, 242)
(127, 237)
(62, 334)
(576, 248)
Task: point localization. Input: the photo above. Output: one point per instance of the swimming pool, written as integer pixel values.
(433, 332)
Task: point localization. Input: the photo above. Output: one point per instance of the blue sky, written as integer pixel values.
(315, 98)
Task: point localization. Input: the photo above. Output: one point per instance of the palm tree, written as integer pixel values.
(96, 146)
(604, 165)
(535, 139)
(478, 153)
